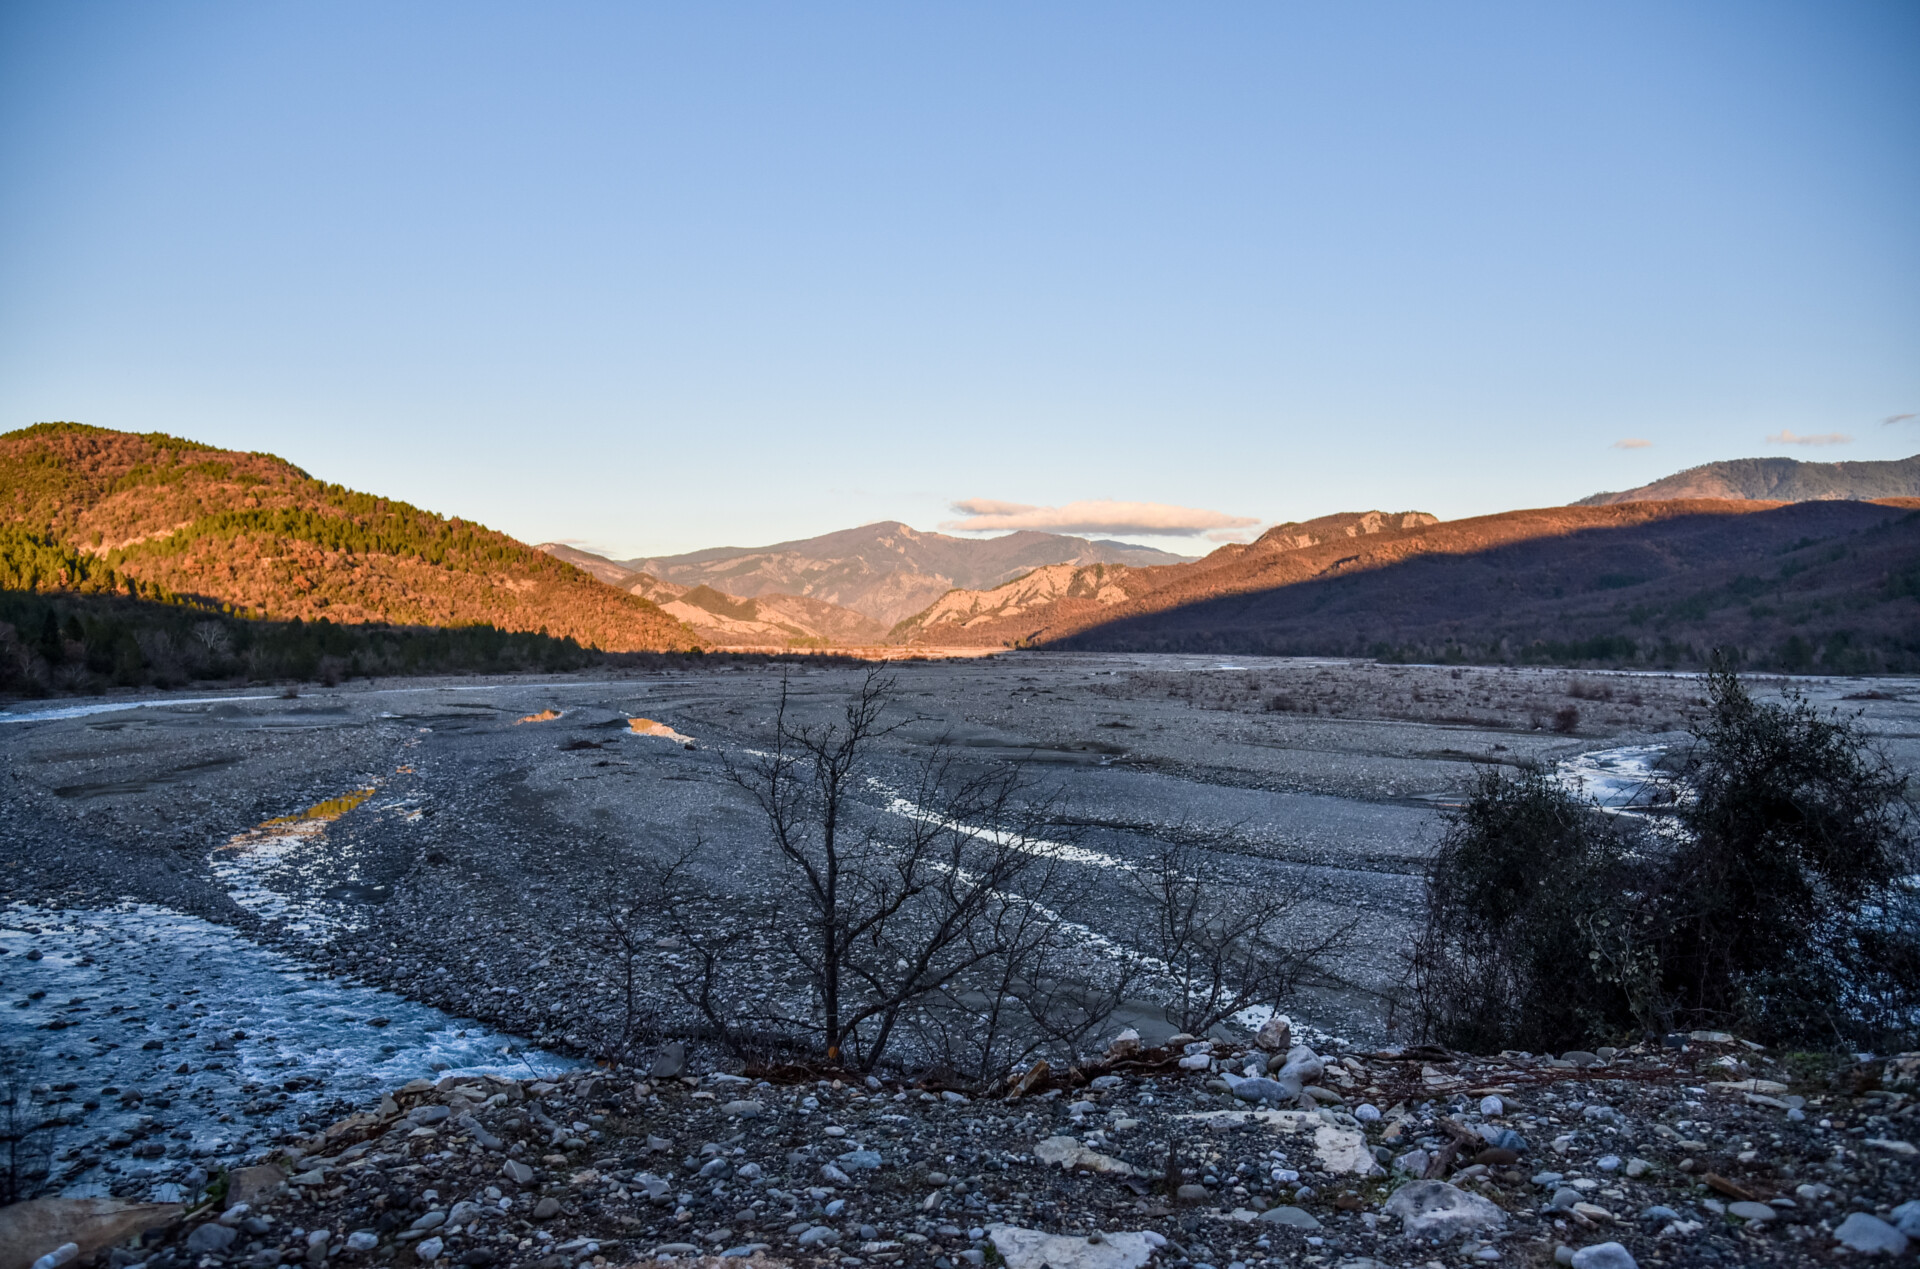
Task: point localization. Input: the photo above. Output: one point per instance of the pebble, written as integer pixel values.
(1492, 1106)
(1752, 1211)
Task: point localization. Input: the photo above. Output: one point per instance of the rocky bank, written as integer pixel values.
(1698, 1150)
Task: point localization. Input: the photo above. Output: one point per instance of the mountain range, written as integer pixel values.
(1778, 480)
(886, 571)
(1828, 578)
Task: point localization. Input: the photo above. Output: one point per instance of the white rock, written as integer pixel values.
(1031, 1249)
(1434, 1209)
(1124, 1044)
(1340, 1149)
(1070, 1154)
(362, 1240)
(428, 1250)
(1491, 1106)
(1604, 1256)
(1866, 1233)
(1906, 1218)
(58, 1256)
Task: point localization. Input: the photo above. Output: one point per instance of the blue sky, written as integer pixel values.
(652, 277)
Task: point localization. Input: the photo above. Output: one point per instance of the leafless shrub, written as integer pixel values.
(1225, 946)
(883, 911)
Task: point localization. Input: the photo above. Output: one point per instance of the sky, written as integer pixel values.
(648, 278)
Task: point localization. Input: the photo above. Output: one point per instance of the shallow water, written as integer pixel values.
(1622, 779)
(204, 1025)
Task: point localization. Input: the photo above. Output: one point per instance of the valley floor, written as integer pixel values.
(463, 833)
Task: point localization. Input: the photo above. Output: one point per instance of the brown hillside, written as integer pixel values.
(255, 532)
(1832, 586)
(1052, 602)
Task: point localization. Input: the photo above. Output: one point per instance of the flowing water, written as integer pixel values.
(231, 1047)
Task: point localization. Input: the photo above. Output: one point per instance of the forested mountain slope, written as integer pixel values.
(85, 508)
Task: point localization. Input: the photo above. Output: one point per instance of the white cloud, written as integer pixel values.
(1822, 438)
(1117, 519)
(1632, 442)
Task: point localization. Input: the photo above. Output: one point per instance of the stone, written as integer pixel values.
(517, 1172)
(426, 1115)
(1104, 1083)
(463, 1212)
(250, 1185)
(1195, 1062)
(1296, 1217)
(670, 1063)
(1659, 1212)
(1604, 1256)
(210, 1238)
(1491, 1106)
(1580, 1057)
(1748, 1086)
(362, 1240)
(1564, 1198)
(92, 1225)
(1192, 1193)
(1868, 1234)
(546, 1209)
(428, 1250)
(1126, 1044)
(1275, 1034)
(858, 1160)
(742, 1110)
(819, 1236)
(831, 1175)
(1752, 1211)
(1435, 1209)
(1637, 1167)
(1031, 1249)
(1906, 1218)
(1069, 1154)
(1367, 1113)
(1265, 1090)
(429, 1220)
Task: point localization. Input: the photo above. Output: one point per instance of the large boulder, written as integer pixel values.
(1434, 1209)
(1033, 1249)
(31, 1229)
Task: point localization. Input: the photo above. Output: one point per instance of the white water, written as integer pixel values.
(1623, 779)
(134, 993)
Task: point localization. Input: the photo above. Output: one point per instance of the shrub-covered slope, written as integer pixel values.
(85, 508)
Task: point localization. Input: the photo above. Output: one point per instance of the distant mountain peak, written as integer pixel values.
(887, 570)
(1777, 480)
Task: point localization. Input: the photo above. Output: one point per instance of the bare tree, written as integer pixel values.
(659, 927)
(887, 908)
(1222, 945)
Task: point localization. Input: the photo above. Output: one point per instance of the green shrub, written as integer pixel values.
(1778, 899)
